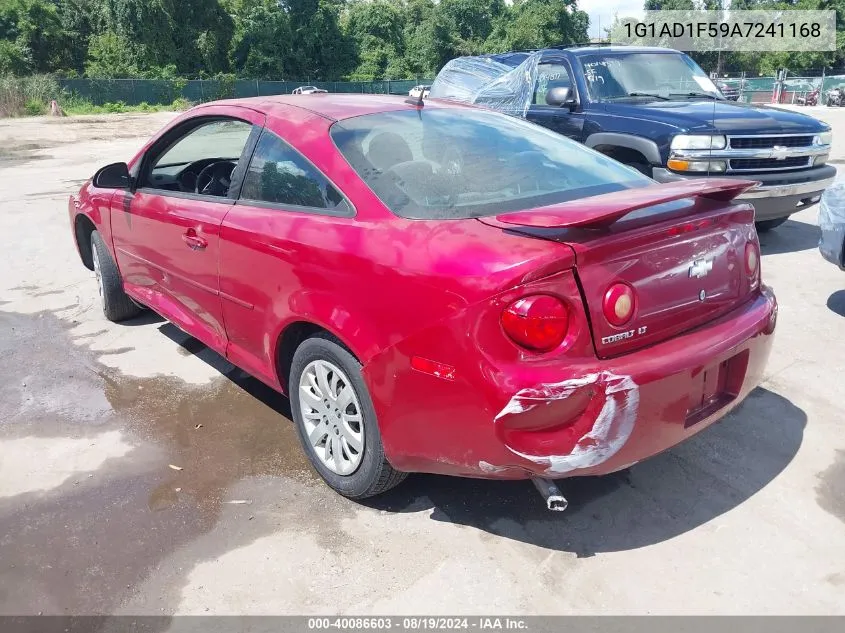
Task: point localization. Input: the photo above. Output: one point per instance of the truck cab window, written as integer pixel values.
(550, 76)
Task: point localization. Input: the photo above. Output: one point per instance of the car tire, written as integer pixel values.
(764, 226)
(117, 306)
(323, 428)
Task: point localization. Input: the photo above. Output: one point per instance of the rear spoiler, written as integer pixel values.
(604, 210)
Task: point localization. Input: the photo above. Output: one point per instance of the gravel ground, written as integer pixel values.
(745, 518)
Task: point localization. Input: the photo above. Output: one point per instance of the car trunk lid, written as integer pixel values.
(680, 247)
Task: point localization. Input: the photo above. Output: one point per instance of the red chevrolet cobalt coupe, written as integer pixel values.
(438, 288)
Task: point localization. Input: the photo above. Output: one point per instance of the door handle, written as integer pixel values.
(193, 240)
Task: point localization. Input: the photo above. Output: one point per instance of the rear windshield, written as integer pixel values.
(451, 164)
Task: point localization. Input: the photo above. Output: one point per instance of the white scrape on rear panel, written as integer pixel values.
(490, 468)
(610, 431)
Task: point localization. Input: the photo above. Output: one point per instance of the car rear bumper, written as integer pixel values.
(592, 419)
(779, 194)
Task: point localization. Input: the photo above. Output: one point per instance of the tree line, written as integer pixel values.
(359, 40)
(271, 39)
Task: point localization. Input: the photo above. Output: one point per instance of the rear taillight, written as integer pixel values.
(752, 260)
(618, 304)
(538, 322)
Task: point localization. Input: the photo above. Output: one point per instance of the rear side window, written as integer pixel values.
(438, 163)
(278, 174)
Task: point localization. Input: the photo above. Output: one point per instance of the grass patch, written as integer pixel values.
(81, 106)
(34, 107)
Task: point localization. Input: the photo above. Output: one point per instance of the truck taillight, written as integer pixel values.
(618, 304)
(537, 322)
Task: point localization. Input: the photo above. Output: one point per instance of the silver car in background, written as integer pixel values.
(419, 91)
(307, 90)
(832, 223)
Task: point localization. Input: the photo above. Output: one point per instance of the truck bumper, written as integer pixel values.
(779, 195)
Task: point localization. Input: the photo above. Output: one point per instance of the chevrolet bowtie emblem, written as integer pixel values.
(700, 268)
(779, 152)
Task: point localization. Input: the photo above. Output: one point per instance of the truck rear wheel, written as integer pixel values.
(765, 226)
(643, 168)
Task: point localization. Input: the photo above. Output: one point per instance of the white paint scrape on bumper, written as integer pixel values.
(609, 432)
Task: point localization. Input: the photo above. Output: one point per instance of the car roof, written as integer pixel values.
(335, 106)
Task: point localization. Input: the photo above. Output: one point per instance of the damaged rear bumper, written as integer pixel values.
(649, 401)
(593, 418)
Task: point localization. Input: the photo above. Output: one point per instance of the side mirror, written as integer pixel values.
(560, 96)
(114, 176)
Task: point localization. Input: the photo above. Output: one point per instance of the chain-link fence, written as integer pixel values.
(157, 92)
(763, 89)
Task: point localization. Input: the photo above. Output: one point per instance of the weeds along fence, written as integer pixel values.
(26, 95)
(155, 92)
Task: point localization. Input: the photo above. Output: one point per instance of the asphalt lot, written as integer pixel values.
(745, 518)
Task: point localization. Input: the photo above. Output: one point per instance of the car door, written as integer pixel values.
(166, 230)
(565, 120)
(275, 241)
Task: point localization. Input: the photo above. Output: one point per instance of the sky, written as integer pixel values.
(602, 12)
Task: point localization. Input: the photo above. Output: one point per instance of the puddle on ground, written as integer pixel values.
(235, 427)
(75, 547)
(830, 493)
(215, 434)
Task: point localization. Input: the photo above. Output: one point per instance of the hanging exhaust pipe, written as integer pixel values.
(555, 501)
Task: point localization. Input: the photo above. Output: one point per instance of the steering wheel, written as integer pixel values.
(215, 178)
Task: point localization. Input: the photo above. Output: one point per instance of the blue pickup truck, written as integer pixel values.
(655, 110)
